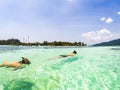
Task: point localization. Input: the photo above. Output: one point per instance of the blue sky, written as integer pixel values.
(89, 21)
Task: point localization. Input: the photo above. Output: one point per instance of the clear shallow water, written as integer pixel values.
(93, 68)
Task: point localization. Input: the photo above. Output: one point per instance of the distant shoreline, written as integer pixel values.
(16, 42)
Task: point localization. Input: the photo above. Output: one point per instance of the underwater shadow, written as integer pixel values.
(63, 62)
(22, 84)
(71, 59)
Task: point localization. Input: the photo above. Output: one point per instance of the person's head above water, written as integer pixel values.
(74, 52)
(25, 61)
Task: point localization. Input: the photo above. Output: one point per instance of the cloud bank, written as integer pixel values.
(102, 34)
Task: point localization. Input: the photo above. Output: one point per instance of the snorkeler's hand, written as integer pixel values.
(20, 67)
(15, 68)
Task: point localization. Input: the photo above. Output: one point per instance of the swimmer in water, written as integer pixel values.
(67, 55)
(71, 54)
(15, 65)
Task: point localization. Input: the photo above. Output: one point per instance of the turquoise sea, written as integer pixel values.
(93, 68)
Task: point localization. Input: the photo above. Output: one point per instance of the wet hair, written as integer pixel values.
(74, 52)
(25, 61)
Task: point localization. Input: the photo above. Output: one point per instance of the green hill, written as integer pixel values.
(115, 42)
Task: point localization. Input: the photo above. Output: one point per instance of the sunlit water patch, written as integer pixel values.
(93, 68)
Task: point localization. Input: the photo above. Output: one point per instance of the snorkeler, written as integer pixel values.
(16, 65)
(67, 55)
(71, 54)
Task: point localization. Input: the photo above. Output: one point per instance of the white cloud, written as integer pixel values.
(107, 20)
(102, 19)
(118, 13)
(100, 35)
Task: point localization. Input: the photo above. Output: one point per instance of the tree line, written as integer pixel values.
(44, 43)
(10, 42)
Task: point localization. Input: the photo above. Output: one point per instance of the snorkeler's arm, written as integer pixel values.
(17, 67)
(20, 67)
